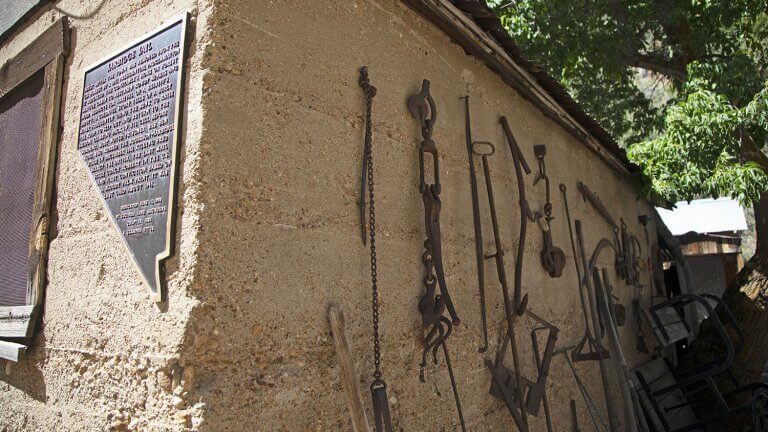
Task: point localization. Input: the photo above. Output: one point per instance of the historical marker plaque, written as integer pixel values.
(128, 140)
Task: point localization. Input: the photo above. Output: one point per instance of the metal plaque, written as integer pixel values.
(128, 140)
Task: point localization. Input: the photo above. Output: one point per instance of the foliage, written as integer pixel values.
(708, 60)
(699, 151)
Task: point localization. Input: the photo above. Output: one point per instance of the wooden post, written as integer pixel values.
(347, 366)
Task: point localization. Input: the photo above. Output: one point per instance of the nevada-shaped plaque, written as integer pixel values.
(128, 139)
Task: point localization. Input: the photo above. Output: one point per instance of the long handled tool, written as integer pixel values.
(594, 350)
(520, 302)
(479, 257)
(594, 413)
(498, 372)
(587, 281)
(433, 305)
(521, 395)
(635, 419)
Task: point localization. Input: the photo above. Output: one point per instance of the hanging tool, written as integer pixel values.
(520, 302)
(618, 311)
(594, 413)
(422, 107)
(653, 258)
(515, 394)
(433, 305)
(634, 419)
(630, 271)
(602, 210)
(592, 198)
(521, 395)
(627, 259)
(590, 291)
(552, 257)
(594, 351)
(479, 257)
(378, 387)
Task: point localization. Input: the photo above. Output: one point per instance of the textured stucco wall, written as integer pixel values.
(106, 357)
(281, 156)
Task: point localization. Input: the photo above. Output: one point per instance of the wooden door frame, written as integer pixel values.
(47, 53)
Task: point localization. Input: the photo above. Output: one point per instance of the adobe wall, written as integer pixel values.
(106, 357)
(279, 178)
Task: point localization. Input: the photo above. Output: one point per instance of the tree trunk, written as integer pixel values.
(747, 298)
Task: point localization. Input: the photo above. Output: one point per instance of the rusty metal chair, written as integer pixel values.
(679, 400)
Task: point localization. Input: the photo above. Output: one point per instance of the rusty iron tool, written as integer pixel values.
(479, 257)
(536, 395)
(379, 398)
(634, 419)
(432, 305)
(594, 350)
(598, 421)
(628, 265)
(618, 242)
(485, 150)
(504, 385)
(598, 205)
(574, 417)
(538, 390)
(552, 257)
(520, 301)
(422, 107)
(618, 310)
(591, 295)
(510, 386)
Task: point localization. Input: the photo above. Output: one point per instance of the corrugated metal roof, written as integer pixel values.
(706, 215)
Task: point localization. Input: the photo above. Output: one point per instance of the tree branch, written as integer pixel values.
(655, 65)
(750, 151)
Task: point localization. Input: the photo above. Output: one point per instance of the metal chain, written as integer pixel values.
(370, 92)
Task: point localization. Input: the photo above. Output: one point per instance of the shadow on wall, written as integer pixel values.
(252, 374)
(27, 375)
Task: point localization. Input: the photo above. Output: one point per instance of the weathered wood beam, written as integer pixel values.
(12, 351)
(43, 50)
(17, 321)
(347, 366)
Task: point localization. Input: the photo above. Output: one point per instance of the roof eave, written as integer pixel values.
(473, 26)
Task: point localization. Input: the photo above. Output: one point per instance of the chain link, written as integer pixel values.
(370, 92)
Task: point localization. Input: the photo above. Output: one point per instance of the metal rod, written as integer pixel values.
(575, 259)
(539, 364)
(454, 387)
(479, 259)
(574, 417)
(633, 418)
(612, 416)
(594, 413)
